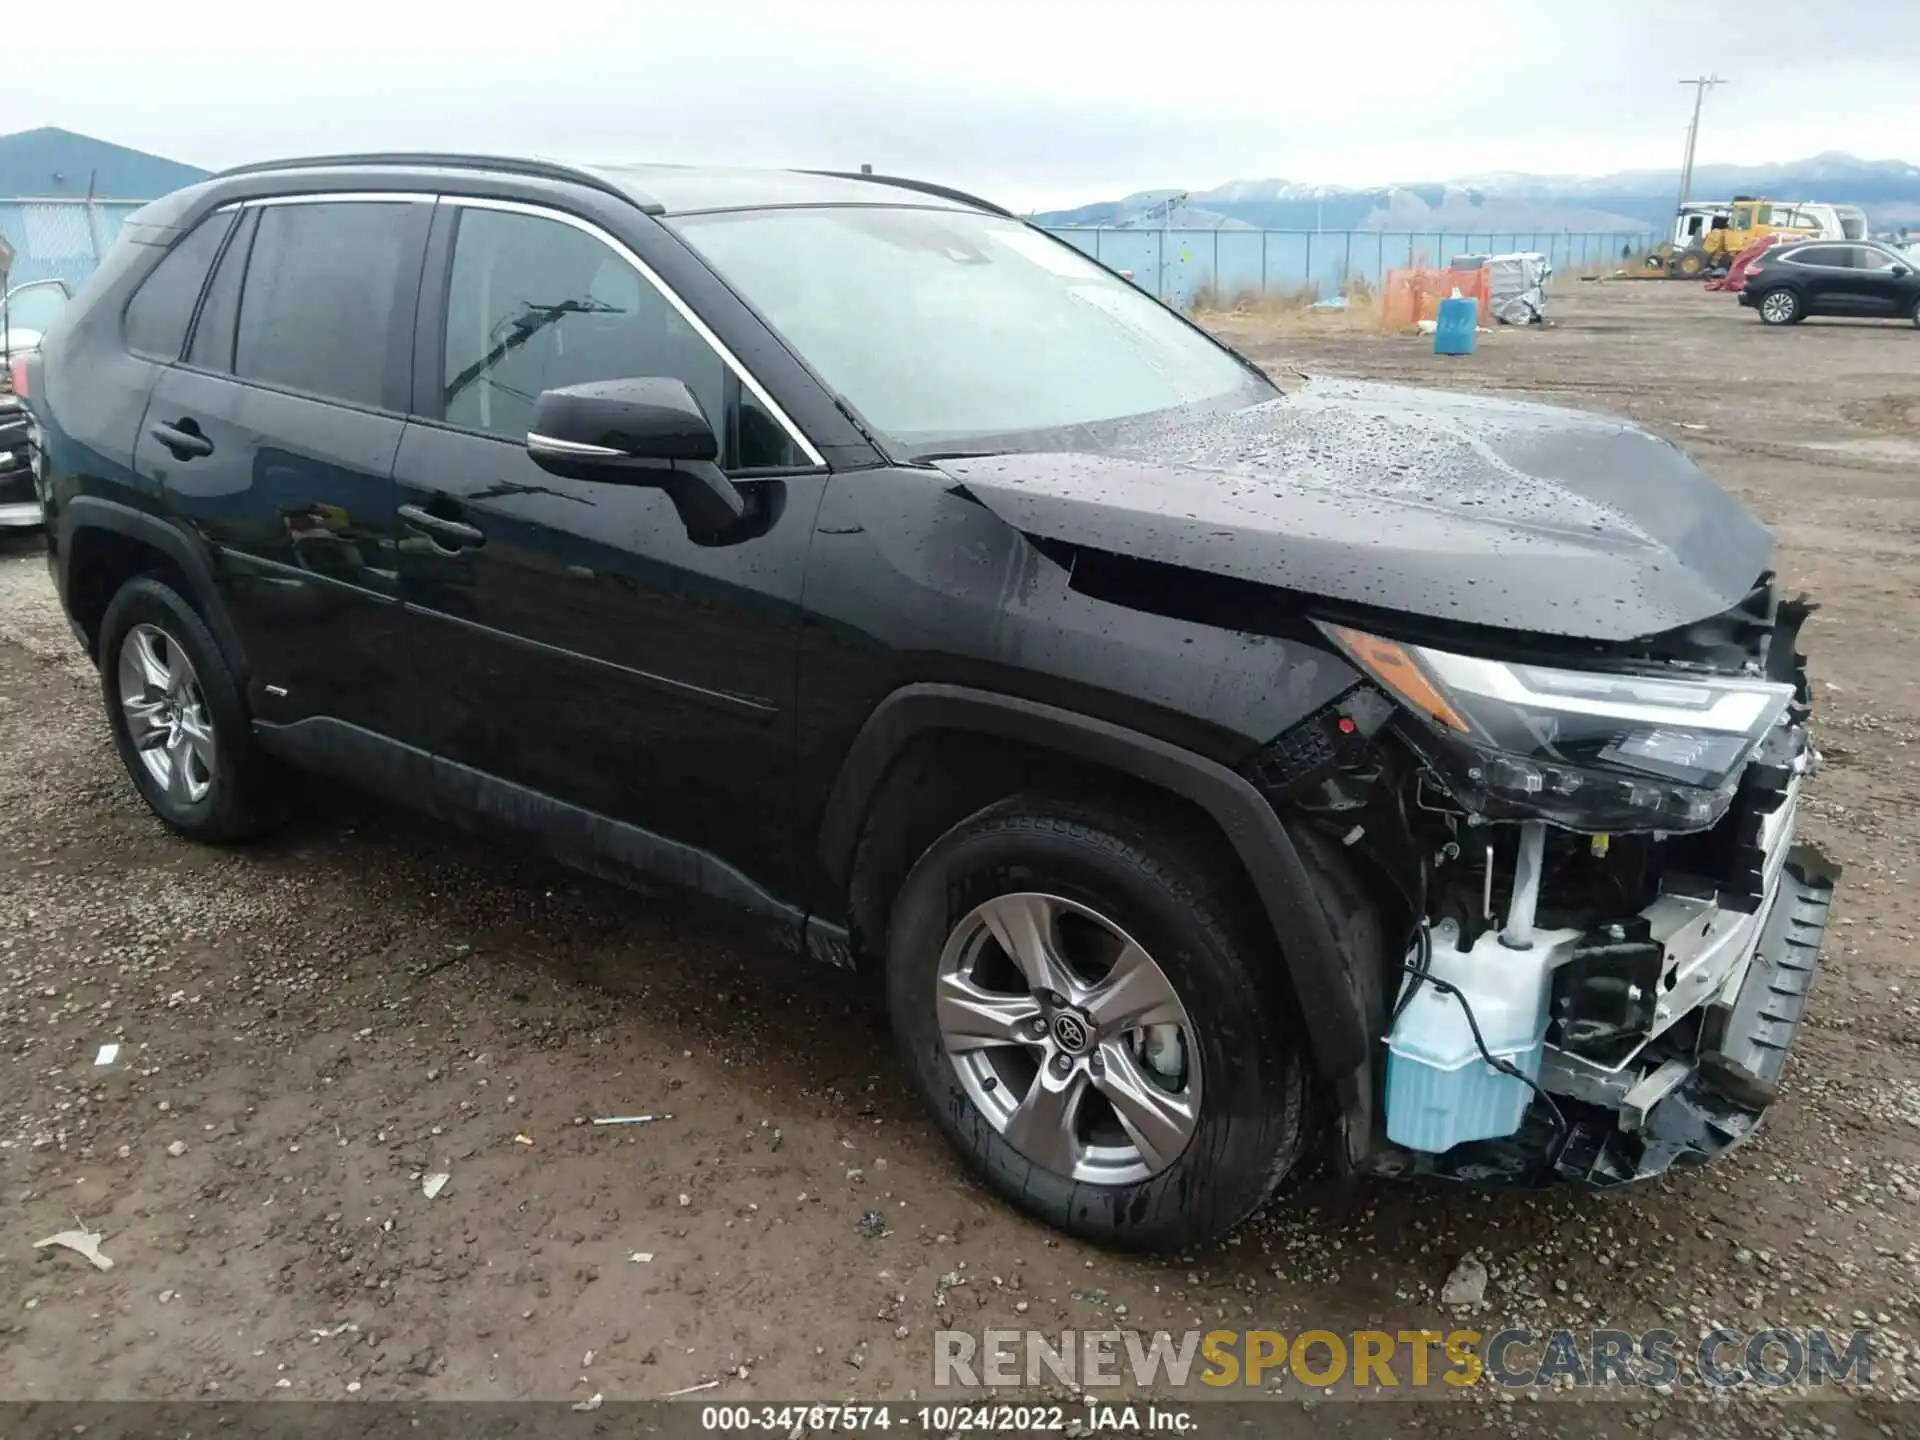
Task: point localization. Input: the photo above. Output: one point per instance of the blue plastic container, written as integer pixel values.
(1434, 1109)
(1441, 1092)
(1454, 326)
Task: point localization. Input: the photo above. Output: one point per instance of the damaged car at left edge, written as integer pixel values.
(25, 311)
(19, 505)
(1214, 773)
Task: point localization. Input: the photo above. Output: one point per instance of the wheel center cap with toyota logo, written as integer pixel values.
(1071, 1033)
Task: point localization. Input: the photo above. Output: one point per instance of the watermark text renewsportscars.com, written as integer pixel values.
(1229, 1360)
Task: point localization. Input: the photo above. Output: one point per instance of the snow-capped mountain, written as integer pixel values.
(1509, 201)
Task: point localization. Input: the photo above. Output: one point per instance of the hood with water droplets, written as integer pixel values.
(1452, 507)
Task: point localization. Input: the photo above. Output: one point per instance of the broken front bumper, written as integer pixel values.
(1731, 990)
(1684, 1113)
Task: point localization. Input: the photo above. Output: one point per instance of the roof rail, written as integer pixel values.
(427, 159)
(925, 187)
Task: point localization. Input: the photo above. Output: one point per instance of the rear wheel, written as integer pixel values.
(179, 719)
(1916, 313)
(1691, 265)
(1779, 307)
(1090, 1007)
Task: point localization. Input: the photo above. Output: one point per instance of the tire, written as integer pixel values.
(1185, 904)
(1780, 306)
(219, 786)
(1916, 314)
(1691, 265)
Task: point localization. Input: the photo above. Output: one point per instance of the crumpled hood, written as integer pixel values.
(1454, 507)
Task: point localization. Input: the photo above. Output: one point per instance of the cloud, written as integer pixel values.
(1032, 102)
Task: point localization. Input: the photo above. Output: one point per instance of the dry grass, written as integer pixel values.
(1291, 307)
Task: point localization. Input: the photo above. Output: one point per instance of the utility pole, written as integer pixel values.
(1700, 87)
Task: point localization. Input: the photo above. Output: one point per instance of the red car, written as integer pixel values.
(1736, 276)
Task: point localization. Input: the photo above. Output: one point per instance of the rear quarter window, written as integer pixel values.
(211, 347)
(162, 308)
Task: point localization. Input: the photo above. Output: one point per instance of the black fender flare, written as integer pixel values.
(1321, 976)
(187, 551)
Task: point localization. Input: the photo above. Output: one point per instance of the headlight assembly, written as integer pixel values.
(1585, 749)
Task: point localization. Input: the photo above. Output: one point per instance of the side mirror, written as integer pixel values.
(1900, 272)
(649, 431)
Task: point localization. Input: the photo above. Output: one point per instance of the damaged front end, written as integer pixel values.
(1614, 926)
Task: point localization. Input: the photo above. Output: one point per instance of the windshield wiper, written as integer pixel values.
(523, 327)
(931, 457)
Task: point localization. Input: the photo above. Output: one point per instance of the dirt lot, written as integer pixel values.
(308, 1027)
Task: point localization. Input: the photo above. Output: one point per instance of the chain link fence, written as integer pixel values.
(1179, 266)
(60, 239)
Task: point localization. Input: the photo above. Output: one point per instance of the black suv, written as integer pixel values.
(1208, 770)
(1791, 282)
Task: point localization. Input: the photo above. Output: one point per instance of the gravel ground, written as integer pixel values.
(309, 1027)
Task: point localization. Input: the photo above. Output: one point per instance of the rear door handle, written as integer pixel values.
(183, 439)
(456, 534)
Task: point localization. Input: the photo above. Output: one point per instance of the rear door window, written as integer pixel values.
(327, 306)
(1832, 256)
(162, 308)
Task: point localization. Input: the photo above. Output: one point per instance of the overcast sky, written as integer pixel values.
(1031, 102)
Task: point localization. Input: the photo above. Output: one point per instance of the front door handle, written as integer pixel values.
(183, 438)
(454, 534)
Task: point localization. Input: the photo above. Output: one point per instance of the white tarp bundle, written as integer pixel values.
(1516, 287)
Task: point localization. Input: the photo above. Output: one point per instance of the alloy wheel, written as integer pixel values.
(166, 714)
(1069, 1038)
(1778, 307)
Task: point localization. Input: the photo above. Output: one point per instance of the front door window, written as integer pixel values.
(535, 304)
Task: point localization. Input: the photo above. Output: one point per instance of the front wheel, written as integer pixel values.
(1779, 307)
(1916, 314)
(1091, 1007)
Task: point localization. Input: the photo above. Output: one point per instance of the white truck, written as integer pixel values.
(1707, 235)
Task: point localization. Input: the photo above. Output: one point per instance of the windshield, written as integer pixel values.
(950, 330)
(36, 306)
